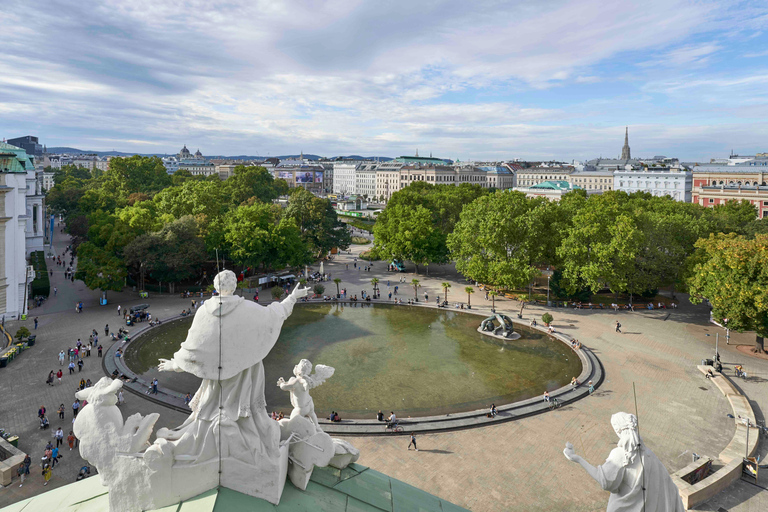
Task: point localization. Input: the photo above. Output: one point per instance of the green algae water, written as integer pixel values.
(412, 360)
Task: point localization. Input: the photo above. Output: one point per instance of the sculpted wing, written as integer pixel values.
(322, 373)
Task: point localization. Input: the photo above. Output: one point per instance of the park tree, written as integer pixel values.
(337, 281)
(408, 233)
(602, 247)
(320, 226)
(416, 285)
(135, 174)
(99, 268)
(250, 181)
(446, 286)
(469, 291)
(732, 216)
(174, 253)
(500, 239)
(732, 275)
(256, 236)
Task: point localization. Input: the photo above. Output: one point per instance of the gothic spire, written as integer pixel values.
(625, 154)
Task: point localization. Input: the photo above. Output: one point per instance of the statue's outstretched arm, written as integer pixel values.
(287, 386)
(571, 455)
(168, 365)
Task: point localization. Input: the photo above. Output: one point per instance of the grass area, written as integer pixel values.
(599, 298)
(359, 240)
(41, 284)
(368, 256)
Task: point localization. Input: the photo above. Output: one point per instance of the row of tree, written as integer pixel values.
(135, 218)
(625, 243)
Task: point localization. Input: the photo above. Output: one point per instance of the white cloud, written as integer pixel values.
(339, 76)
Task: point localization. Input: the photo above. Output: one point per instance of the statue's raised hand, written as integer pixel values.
(167, 365)
(569, 453)
(299, 292)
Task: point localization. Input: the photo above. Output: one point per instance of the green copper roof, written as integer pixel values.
(556, 185)
(354, 489)
(13, 159)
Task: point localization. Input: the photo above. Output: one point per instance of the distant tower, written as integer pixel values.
(417, 153)
(625, 155)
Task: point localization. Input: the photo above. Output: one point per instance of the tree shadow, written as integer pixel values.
(444, 452)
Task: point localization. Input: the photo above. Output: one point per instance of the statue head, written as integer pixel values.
(304, 368)
(625, 426)
(225, 282)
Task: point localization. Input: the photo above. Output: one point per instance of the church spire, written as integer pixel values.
(625, 154)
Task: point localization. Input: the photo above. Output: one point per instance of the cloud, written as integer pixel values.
(332, 77)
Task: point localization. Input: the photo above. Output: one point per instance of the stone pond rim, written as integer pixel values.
(591, 370)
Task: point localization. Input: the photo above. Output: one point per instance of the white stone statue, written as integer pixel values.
(110, 445)
(228, 440)
(299, 386)
(635, 477)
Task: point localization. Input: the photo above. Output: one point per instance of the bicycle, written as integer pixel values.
(554, 403)
(393, 427)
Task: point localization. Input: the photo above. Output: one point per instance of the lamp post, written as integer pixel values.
(548, 303)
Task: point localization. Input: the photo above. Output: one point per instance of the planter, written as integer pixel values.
(31, 340)
(3, 362)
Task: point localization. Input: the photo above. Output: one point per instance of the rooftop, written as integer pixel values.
(355, 488)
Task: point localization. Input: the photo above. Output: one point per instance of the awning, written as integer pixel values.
(290, 276)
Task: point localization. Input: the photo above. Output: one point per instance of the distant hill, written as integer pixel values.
(75, 151)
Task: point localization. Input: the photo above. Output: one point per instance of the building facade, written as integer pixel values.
(499, 177)
(29, 143)
(535, 175)
(713, 195)
(15, 166)
(552, 190)
(365, 180)
(387, 179)
(592, 180)
(344, 177)
(676, 183)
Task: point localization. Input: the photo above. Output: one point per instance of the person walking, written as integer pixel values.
(413, 442)
(120, 398)
(76, 407)
(59, 436)
(88, 349)
(61, 413)
(80, 365)
(71, 367)
(49, 380)
(59, 374)
(119, 307)
(106, 330)
(99, 350)
(62, 356)
(35, 323)
(618, 327)
(55, 291)
(22, 472)
(54, 456)
(47, 473)
(154, 387)
(71, 440)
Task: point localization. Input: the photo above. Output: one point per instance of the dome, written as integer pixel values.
(184, 153)
(198, 154)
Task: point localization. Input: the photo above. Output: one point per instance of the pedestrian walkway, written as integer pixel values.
(516, 465)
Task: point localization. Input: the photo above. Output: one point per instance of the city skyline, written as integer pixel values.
(554, 80)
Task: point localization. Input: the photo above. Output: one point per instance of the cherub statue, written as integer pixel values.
(112, 445)
(299, 387)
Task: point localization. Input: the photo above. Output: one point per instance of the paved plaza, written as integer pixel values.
(517, 465)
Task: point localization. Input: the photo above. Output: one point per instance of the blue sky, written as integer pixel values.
(468, 80)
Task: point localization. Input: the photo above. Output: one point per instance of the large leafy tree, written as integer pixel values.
(319, 224)
(99, 268)
(602, 247)
(256, 236)
(174, 253)
(135, 174)
(500, 239)
(732, 274)
(405, 232)
(250, 181)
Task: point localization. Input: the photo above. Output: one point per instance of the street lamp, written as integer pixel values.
(548, 303)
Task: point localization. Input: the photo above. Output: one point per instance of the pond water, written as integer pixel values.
(412, 360)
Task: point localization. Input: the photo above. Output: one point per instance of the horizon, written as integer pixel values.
(551, 81)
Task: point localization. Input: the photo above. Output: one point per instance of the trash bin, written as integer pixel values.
(3, 362)
(707, 362)
(31, 340)
(14, 440)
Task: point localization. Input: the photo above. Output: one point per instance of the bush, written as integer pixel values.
(359, 224)
(319, 289)
(277, 292)
(22, 333)
(547, 318)
(41, 285)
(359, 240)
(370, 255)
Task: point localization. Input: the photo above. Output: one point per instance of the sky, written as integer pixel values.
(479, 80)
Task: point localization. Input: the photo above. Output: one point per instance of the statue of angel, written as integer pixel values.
(299, 387)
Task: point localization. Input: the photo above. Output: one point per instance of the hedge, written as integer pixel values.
(41, 284)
